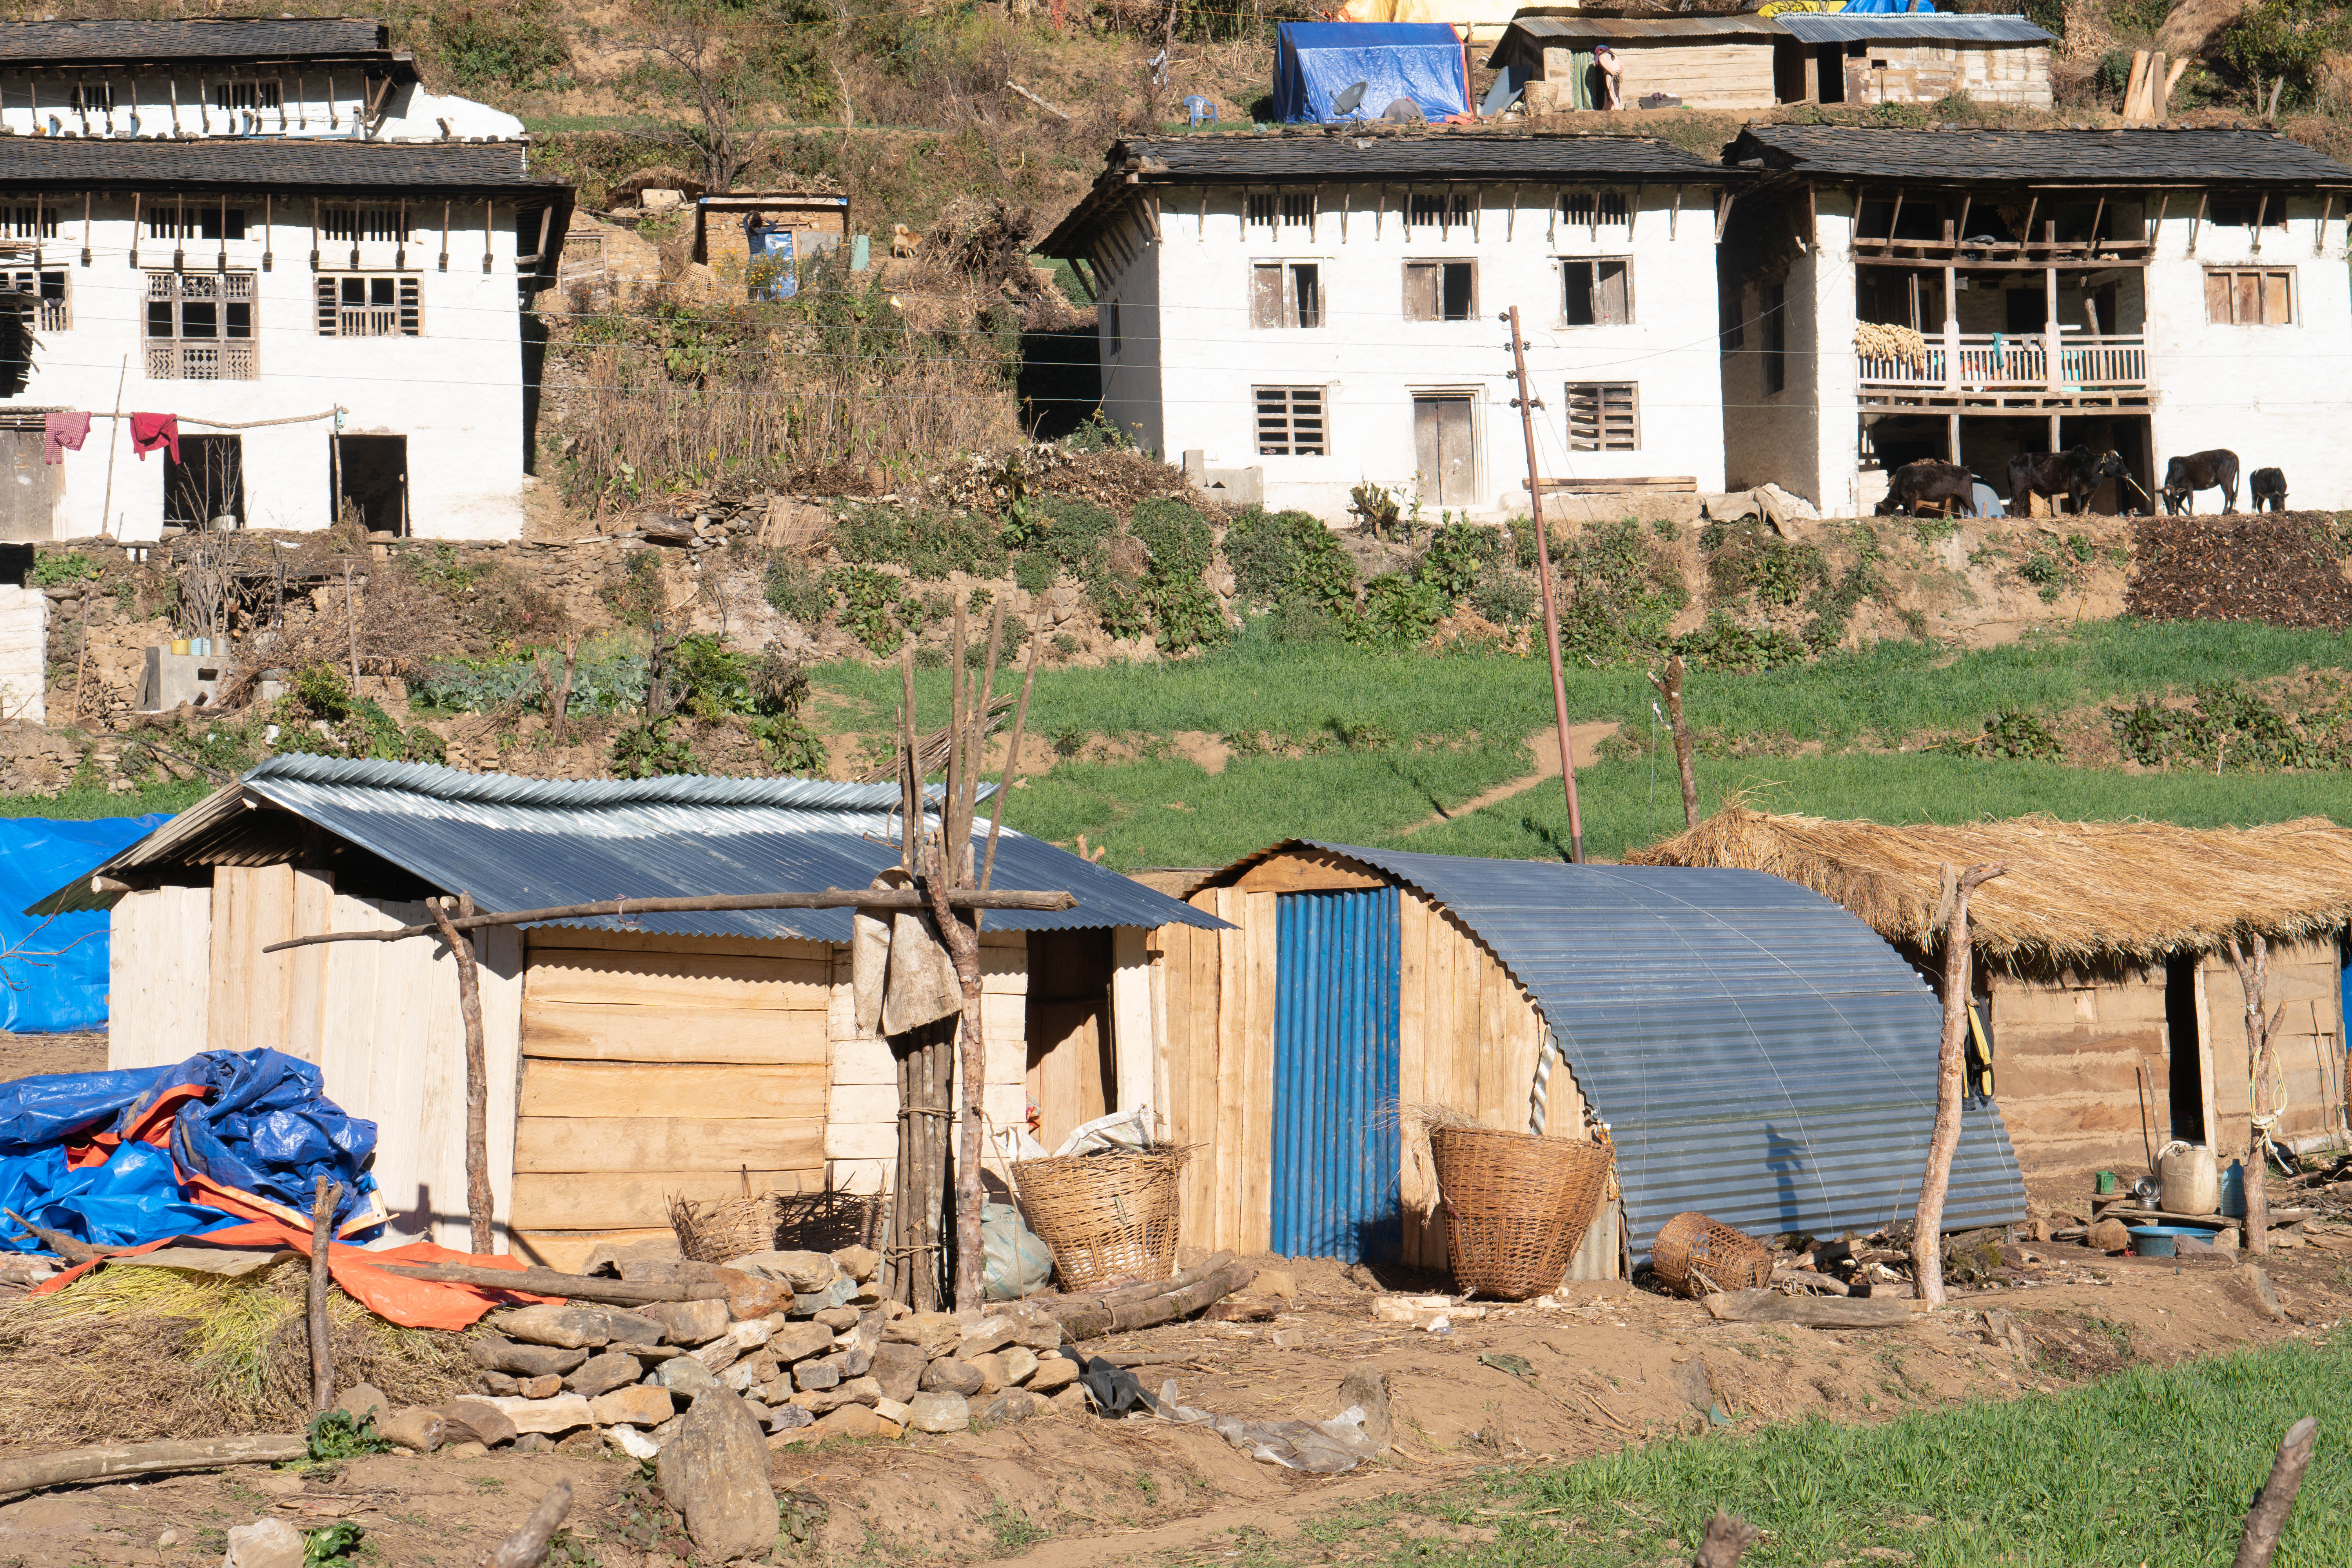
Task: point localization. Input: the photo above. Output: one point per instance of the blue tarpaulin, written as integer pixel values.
(1317, 61)
(1887, 7)
(40, 995)
(257, 1124)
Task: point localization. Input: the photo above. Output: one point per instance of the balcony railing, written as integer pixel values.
(1999, 363)
(367, 321)
(184, 361)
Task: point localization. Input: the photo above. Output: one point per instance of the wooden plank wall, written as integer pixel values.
(253, 994)
(1717, 74)
(1220, 1079)
(2073, 1053)
(2307, 979)
(1924, 73)
(1133, 1036)
(159, 976)
(656, 1065)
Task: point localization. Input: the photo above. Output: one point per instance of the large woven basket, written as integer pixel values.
(1111, 1219)
(1696, 1256)
(1517, 1206)
(726, 1228)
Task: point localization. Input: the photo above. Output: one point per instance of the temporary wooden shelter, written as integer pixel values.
(1855, 57)
(631, 1058)
(1754, 1051)
(2113, 1014)
(1707, 62)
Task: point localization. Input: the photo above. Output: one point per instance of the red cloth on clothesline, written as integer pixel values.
(150, 431)
(63, 430)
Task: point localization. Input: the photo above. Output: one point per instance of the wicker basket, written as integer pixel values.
(1111, 1219)
(1517, 1206)
(1695, 1257)
(726, 1228)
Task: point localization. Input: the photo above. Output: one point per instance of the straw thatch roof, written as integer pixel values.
(2074, 891)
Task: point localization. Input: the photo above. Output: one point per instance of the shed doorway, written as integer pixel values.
(1444, 449)
(1335, 1069)
(2183, 1037)
(1072, 1077)
(372, 481)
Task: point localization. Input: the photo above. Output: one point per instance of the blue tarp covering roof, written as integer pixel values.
(1878, 7)
(47, 994)
(1316, 62)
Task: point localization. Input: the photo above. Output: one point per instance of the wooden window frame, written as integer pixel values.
(337, 317)
(1566, 263)
(1592, 401)
(1436, 265)
(50, 315)
(1288, 405)
(1281, 311)
(177, 356)
(1440, 209)
(2230, 276)
(356, 224)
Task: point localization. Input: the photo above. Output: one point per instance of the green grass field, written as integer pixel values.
(2147, 1467)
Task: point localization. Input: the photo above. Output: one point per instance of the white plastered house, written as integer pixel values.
(267, 229)
(1311, 311)
(2159, 292)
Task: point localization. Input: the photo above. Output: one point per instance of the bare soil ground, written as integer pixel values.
(25, 1056)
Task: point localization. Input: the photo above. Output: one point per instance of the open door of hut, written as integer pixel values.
(1072, 1078)
(1335, 1076)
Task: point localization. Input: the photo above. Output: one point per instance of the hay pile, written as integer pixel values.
(127, 1354)
(2075, 889)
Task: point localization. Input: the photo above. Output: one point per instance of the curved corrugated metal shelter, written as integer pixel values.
(1758, 1052)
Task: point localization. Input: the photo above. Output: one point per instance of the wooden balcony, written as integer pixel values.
(1996, 371)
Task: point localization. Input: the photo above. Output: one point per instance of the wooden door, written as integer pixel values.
(1443, 449)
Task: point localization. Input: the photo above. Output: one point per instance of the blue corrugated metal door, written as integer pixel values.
(1335, 1076)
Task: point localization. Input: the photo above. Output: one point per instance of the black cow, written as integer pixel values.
(2267, 485)
(2073, 473)
(1926, 482)
(2184, 477)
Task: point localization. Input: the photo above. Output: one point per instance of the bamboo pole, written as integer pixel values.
(1927, 1231)
(478, 1074)
(1527, 402)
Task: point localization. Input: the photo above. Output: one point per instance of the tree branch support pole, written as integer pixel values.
(528, 1547)
(2266, 1520)
(322, 1231)
(1670, 688)
(2253, 978)
(478, 1202)
(1527, 402)
(1927, 1231)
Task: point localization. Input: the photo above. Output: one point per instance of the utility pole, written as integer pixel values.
(1526, 402)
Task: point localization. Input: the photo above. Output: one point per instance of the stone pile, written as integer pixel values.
(805, 1340)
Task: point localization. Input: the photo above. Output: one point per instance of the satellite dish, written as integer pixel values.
(1499, 97)
(1350, 97)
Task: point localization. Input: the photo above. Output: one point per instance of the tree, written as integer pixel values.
(692, 58)
(1927, 1229)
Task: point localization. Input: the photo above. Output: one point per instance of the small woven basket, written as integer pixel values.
(1111, 1219)
(1695, 1257)
(726, 1228)
(1517, 1206)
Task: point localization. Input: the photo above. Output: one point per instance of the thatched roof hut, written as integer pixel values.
(2110, 1010)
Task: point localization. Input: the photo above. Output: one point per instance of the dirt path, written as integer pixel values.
(1545, 742)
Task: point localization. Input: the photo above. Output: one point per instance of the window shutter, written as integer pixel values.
(326, 290)
(2217, 296)
(1610, 305)
(1421, 291)
(1266, 294)
(2277, 307)
(408, 308)
(2247, 287)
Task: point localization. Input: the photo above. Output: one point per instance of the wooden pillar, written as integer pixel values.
(2050, 334)
(1952, 345)
(1952, 438)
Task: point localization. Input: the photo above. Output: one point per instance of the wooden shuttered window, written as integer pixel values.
(1597, 293)
(379, 305)
(1290, 422)
(1603, 417)
(1285, 294)
(2250, 296)
(1441, 291)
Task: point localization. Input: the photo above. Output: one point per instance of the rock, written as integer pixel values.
(990, 1366)
(834, 1295)
(475, 1421)
(750, 1374)
(263, 1543)
(168, 1540)
(2109, 1235)
(546, 1387)
(687, 1322)
(851, 1362)
(858, 1262)
(586, 1440)
(602, 1374)
(495, 1382)
(2226, 1239)
(462, 1450)
(948, 1375)
(816, 1375)
(803, 1271)
(1074, 1400)
(985, 1335)
(1279, 1283)
(2185, 1245)
(632, 1442)
(412, 1427)
(2258, 1280)
(757, 1297)
(938, 1413)
(1012, 1405)
(648, 1354)
(684, 1375)
(1020, 1364)
(891, 1410)
(560, 1414)
(786, 1417)
(840, 1319)
(532, 1443)
(718, 1354)
(899, 1368)
(361, 1398)
(854, 1421)
(494, 1354)
(574, 1328)
(935, 1333)
(1053, 1373)
(798, 1342)
(856, 1391)
(1038, 1334)
(714, 1473)
(639, 1405)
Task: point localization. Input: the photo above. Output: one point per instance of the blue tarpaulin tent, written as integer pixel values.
(1316, 62)
(40, 995)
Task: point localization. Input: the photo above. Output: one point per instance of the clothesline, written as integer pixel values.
(241, 425)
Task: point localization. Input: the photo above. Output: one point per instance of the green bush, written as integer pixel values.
(2008, 733)
(1453, 557)
(54, 570)
(1281, 556)
(646, 749)
(1033, 571)
(1749, 559)
(354, 726)
(1725, 646)
(1624, 591)
(1503, 595)
(928, 543)
(1401, 610)
(796, 591)
(867, 595)
(634, 593)
(517, 46)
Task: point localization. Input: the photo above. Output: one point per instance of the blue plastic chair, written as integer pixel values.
(1199, 111)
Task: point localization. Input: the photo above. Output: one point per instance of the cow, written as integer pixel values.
(2073, 473)
(2267, 485)
(2184, 477)
(1930, 483)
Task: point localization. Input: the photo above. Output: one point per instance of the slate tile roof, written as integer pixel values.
(1316, 155)
(223, 38)
(2158, 157)
(295, 163)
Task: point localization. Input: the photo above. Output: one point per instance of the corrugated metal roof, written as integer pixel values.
(1643, 27)
(1837, 28)
(1758, 1052)
(520, 844)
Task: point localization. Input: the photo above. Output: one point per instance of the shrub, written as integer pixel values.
(1455, 552)
(1281, 556)
(633, 593)
(1504, 595)
(2008, 733)
(54, 570)
(515, 46)
(1725, 646)
(796, 591)
(1401, 609)
(867, 595)
(354, 726)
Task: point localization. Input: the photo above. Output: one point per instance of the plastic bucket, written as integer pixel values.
(2187, 1180)
(2157, 1240)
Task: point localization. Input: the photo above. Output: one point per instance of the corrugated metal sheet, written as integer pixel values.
(1334, 1188)
(1836, 28)
(1758, 1052)
(1643, 28)
(518, 843)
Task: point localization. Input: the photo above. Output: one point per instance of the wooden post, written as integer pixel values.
(1670, 688)
(323, 1231)
(2253, 978)
(528, 1547)
(1527, 402)
(351, 619)
(1927, 1231)
(2267, 1519)
(478, 1074)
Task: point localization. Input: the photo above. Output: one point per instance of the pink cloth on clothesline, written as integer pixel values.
(150, 431)
(61, 432)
